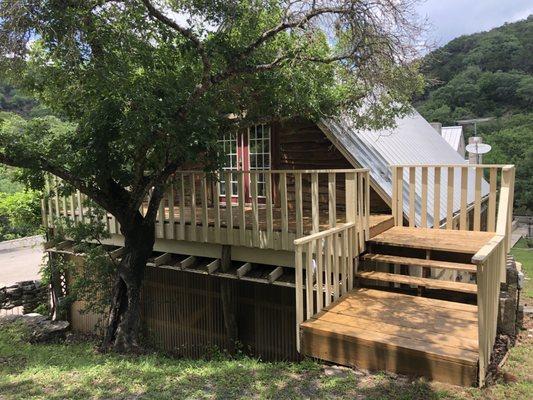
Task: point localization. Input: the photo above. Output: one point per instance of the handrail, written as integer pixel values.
(329, 261)
(323, 234)
(279, 171)
(455, 165)
(485, 252)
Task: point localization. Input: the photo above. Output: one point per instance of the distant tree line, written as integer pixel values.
(488, 74)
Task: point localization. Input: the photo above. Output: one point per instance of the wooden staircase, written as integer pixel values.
(415, 309)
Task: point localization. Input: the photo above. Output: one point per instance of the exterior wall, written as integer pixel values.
(301, 144)
(182, 314)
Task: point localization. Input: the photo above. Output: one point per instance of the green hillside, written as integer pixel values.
(488, 74)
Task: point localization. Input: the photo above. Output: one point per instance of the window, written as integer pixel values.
(259, 149)
(231, 162)
(249, 150)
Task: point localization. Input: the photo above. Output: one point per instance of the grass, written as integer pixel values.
(75, 371)
(524, 255)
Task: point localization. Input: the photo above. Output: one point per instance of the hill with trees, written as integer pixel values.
(488, 74)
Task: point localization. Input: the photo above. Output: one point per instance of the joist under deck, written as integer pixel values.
(379, 330)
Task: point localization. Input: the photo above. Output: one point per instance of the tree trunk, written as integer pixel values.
(122, 333)
(227, 294)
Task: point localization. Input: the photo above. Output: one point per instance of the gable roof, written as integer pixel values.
(412, 141)
(454, 136)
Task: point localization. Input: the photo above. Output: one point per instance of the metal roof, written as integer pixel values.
(412, 141)
(454, 136)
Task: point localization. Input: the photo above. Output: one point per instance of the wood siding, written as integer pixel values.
(300, 144)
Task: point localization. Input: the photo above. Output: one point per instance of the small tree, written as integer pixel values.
(148, 85)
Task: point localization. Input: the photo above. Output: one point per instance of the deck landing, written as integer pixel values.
(381, 330)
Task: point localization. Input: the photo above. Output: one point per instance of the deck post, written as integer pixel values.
(227, 295)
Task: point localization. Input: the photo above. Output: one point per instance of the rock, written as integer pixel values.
(40, 328)
(509, 378)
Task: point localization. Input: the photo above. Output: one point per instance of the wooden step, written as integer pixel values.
(420, 262)
(465, 242)
(414, 280)
(380, 330)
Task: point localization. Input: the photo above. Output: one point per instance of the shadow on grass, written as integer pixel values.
(76, 372)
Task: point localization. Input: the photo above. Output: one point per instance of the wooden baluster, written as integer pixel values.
(412, 193)
(399, 196)
(424, 199)
(171, 217)
(205, 212)
(299, 204)
(315, 206)
(182, 207)
(367, 209)
(332, 199)
(491, 212)
(449, 198)
(319, 272)
(464, 199)
(229, 207)
(56, 198)
(284, 210)
(299, 292)
(344, 261)
(436, 198)
(217, 208)
(350, 236)
(309, 279)
(269, 216)
(255, 209)
(161, 219)
(360, 199)
(241, 212)
(80, 205)
(477, 199)
(193, 207)
(336, 267)
(328, 267)
(72, 208)
(351, 196)
(48, 191)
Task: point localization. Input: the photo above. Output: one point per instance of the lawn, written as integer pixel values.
(74, 370)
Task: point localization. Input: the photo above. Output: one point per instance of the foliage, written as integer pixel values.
(20, 214)
(511, 139)
(484, 74)
(523, 253)
(91, 269)
(489, 74)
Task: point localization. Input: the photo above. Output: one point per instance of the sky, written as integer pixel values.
(449, 19)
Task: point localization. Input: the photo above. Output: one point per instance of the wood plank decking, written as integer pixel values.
(468, 242)
(381, 330)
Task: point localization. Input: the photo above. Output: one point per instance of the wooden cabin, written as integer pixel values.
(376, 249)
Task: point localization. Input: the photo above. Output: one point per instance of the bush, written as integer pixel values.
(19, 214)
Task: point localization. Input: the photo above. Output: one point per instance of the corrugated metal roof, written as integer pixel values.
(453, 135)
(412, 141)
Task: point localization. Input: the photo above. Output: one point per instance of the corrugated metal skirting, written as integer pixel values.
(182, 314)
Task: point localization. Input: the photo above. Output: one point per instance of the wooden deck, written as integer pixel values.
(379, 330)
(452, 241)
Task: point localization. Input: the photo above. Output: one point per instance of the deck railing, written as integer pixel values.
(489, 212)
(489, 261)
(325, 263)
(474, 208)
(262, 208)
